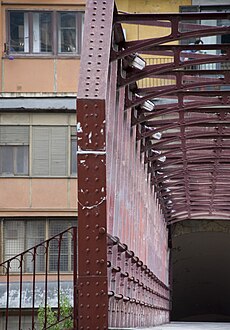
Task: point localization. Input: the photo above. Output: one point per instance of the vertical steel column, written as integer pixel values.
(91, 118)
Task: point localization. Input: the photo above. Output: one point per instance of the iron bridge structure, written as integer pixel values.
(153, 150)
(153, 134)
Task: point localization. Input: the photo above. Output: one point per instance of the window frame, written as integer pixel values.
(55, 31)
(47, 223)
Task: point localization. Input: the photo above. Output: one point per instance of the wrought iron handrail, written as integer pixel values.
(40, 289)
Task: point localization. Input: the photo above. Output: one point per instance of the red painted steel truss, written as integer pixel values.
(189, 164)
(153, 149)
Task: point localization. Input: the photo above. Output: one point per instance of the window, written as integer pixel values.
(52, 150)
(45, 32)
(20, 235)
(14, 150)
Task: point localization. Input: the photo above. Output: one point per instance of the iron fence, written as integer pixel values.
(46, 295)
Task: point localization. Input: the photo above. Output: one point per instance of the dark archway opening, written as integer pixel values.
(201, 272)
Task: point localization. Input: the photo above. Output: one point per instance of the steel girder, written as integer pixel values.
(189, 165)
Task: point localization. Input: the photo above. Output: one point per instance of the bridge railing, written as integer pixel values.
(137, 297)
(36, 282)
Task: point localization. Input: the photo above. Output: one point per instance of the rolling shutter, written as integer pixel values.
(49, 151)
(14, 135)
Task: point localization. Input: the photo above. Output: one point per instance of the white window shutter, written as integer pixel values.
(50, 151)
(14, 135)
(58, 154)
(40, 151)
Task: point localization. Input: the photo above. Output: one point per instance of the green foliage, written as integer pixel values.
(52, 316)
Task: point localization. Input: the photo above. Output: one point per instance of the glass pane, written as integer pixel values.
(63, 243)
(19, 32)
(21, 160)
(35, 234)
(67, 33)
(73, 156)
(14, 242)
(42, 32)
(6, 160)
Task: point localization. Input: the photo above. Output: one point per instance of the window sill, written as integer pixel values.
(36, 177)
(40, 56)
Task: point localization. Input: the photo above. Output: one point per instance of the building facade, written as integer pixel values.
(40, 55)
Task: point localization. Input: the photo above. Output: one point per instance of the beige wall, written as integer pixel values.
(38, 197)
(40, 75)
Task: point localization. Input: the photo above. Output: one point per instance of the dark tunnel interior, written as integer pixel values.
(201, 276)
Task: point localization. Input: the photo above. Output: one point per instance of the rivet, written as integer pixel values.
(86, 116)
(88, 306)
(97, 328)
(87, 250)
(81, 305)
(102, 230)
(96, 179)
(102, 261)
(87, 283)
(96, 167)
(87, 214)
(88, 295)
(96, 135)
(97, 294)
(97, 237)
(88, 272)
(87, 238)
(103, 305)
(97, 250)
(87, 261)
(96, 305)
(81, 317)
(87, 226)
(98, 316)
(104, 315)
(87, 316)
(95, 105)
(97, 283)
(97, 225)
(86, 167)
(95, 125)
(85, 106)
(86, 202)
(105, 283)
(96, 144)
(97, 261)
(88, 328)
(86, 125)
(96, 115)
(96, 190)
(96, 214)
(86, 179)
(81, 294)
(81, 327)
(81, 284)
(87, 146)
(87, 191)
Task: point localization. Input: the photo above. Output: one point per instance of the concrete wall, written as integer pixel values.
(201, 271)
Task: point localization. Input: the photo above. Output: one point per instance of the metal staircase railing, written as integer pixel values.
(30, 285)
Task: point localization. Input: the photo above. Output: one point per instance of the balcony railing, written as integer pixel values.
(158, 81)
(31, 285)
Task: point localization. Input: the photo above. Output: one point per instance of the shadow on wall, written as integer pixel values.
(201, 271)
